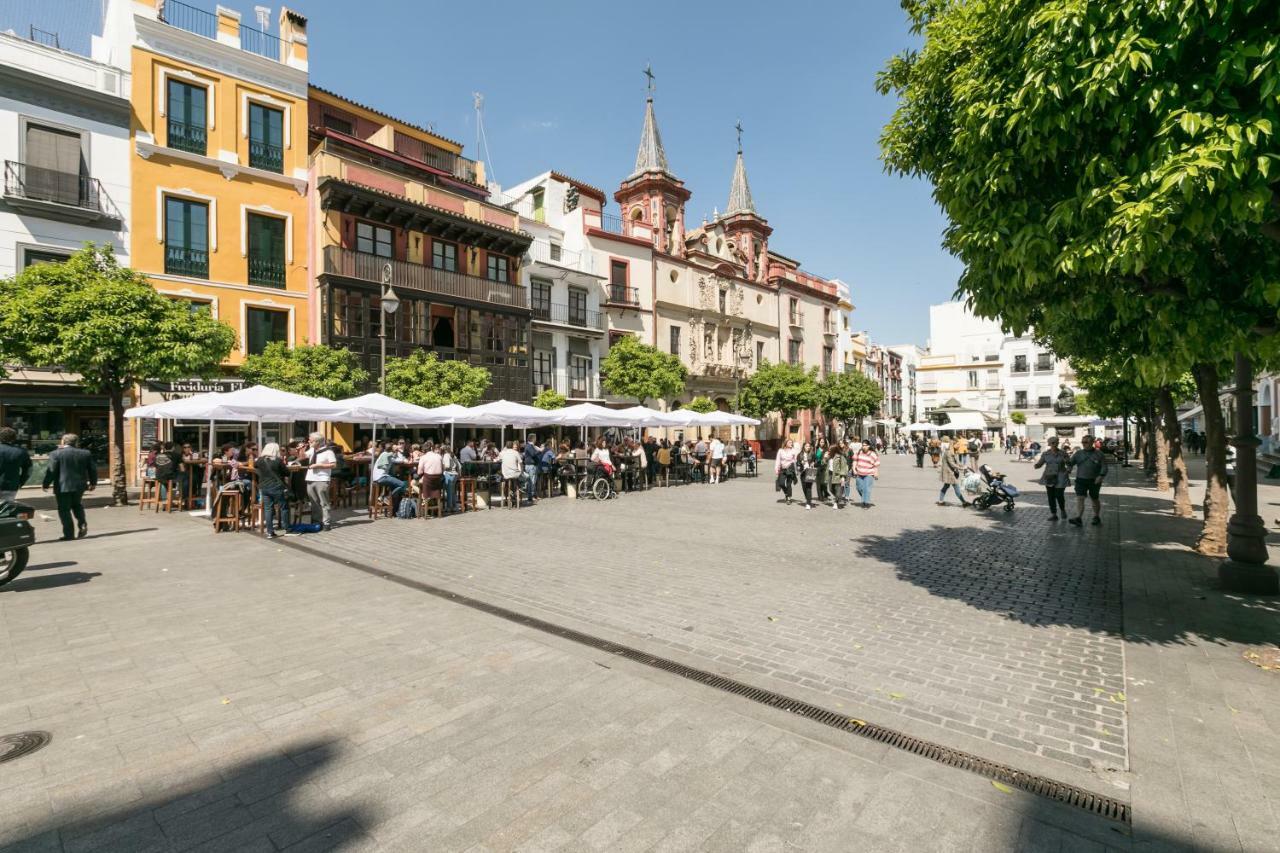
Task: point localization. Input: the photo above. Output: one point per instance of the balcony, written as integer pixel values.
(266, 272)
(796, 318)
(570, 387)
(263, 155)
(618, 295)
(362, 267)
(1020, 367)
(546, 252)
(437, 158)
(829, 328)
(202, 23)
(1044, 365)
(567, 315)
(179, 260)
(65, 196)
(191, 138)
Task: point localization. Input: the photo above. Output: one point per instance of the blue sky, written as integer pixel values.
(564, 89)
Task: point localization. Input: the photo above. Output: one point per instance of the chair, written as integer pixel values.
(150, 494)
(380, 507)
(226, 510)
(429, 502)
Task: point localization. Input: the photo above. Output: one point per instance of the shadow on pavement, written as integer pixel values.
(1047, 826)
(29, 584)
(60, 564)
(261, 803)
(109, 533)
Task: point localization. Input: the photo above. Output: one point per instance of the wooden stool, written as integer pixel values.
(508, 488)
(150, 494)
(467, 493)
(226, 511)
(172, 497)
(377, 509)
(427, 504)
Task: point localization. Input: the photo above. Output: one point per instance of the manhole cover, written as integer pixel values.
(1266, 658)
(23, 743)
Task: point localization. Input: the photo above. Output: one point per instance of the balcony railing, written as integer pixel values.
(263, 44)
(179, 260)
(543, 251)
(829, 329)
(266, 272)
(186, 17)
(358, 265)
(619, 295)
(612, 224)
(263, 155)
(23, 182)
(436, 158)
(1044, 366)
(182, 136)
(796, 318)
(574, 388)
(567, 315)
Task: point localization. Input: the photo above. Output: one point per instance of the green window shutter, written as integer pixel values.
(266, 250)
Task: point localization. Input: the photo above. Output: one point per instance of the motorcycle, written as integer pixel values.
(16, 536)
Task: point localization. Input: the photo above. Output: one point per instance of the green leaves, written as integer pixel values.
(641, 372)
(314, 370)
(549, 399)
(849, 396)
(702, 405)
(783, 388)
(424, 380)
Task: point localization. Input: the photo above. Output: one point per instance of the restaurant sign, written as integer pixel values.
(179, 388)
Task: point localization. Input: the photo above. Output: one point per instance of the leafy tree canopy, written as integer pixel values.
(1021, 417)
(424, 380)
(314, 370)
(782, 388)
(849, 396)
(549, 399)
(702, 405)
(642, 372)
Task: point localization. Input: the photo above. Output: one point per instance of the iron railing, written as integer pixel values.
(36, 183)
(613, 224)
(189, 18)
(567, 314)
(796, 318)
(266, 272)
(571, 387)
(263, 44)
(436, 158)
(364, 267)
(179, 260)
(544, 251)
(264, 155)
(184, 136)
(619, 295)
(44, 37)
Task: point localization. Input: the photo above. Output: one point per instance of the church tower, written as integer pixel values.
(652, 194)
(743, 226)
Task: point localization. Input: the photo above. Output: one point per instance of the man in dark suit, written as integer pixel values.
(71, 470)
(15, 464)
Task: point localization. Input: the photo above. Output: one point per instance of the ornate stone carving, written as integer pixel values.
(735, 301)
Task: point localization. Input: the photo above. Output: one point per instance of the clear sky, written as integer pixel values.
(564, 89)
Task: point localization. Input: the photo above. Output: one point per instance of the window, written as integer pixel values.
(539, 208)
(266, 250)
(556, 251)
(186, 237)
(54, 167)
(187, 114)
(577, 306)
(759, 353)
(1044, 403)
(498, 267)
(31, 257)
(373, 239)
(540, 298)
(544, 365)
(826, 361)
(580, 376)
(444, 256)
(827, 325)
(973, 379)
(339, 124)
(1019, 399)
(793, 351)
(675, 340)
(1044, 362)
(265, 326)
(724, 299)
(348, 313)
(194, 306)
(618, 281)
(796, 316)
(266, 138)
(1020, 364)
(413, 321)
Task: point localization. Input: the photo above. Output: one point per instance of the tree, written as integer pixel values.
(549, 399)
(641, 372)
(849, 397)
(701, 405)
(424, 380)
(1019, 418)
(106, 323)
(314, 370)
(781, 388)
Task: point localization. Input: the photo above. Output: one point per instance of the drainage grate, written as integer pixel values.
(13, 747)
(1062, 792)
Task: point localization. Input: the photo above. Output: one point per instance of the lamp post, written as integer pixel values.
(390, 302)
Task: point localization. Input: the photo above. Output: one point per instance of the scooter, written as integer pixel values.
(16, 536)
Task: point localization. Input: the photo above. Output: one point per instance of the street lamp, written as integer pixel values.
(390, 302)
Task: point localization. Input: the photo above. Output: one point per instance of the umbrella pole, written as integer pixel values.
(451, 441)
(208, 476)
(372, 460)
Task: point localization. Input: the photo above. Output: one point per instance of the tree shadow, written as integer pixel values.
(29, 584)
(1048, 827)
(60, 564)
(261, 803)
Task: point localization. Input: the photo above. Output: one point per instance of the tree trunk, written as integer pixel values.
(1148, 453)
(1178, 464)
(115, 460)
(1213, 536)
(1162, 451)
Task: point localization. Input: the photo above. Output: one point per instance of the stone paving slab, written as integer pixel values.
(224, 694)
(997, 633)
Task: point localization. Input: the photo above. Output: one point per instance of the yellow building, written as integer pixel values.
(219, 170)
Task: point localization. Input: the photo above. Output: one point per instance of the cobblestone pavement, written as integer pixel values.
(229, 694)
(996, 633)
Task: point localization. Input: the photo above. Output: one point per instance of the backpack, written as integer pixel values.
(164, 466)
(408, 508)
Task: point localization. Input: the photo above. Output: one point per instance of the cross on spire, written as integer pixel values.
(648, 72)
(738, 127)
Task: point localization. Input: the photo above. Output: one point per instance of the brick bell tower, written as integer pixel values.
(652, 194)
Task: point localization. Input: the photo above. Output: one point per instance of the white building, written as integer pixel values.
(911, 356)
(64, 143)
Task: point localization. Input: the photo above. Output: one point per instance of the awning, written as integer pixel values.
(256, 403)
(966, 420)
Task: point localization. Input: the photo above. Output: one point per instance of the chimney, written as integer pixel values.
(228, 26)
(293, 33)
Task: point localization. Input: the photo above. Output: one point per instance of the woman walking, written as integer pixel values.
(837, 472)
(820, 455)
(949, 470)
(784, 468)
(866, 470)
(1054, 479)
(808, 473)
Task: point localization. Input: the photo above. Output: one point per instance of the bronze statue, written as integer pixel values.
(1066, 402)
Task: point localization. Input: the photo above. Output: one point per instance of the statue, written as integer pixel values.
(1066, 402)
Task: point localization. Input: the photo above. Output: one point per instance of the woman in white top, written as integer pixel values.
(600, 455)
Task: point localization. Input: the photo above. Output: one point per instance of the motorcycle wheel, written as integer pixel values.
(12, 562)
(1008, 507)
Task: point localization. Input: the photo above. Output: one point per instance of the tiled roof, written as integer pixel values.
(387, 116)
(581, 185)
(443, 210)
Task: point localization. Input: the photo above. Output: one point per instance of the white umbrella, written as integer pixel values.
(504, 413)
(381, 409)
(639, 415)
(922, 427)
(590, 414)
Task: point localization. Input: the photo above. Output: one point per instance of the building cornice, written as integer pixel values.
(168, 41)
(146, 150)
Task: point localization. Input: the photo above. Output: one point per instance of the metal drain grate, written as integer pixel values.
(1062, 792)
(13, 747)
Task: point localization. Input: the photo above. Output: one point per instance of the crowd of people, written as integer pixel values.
(829, 472)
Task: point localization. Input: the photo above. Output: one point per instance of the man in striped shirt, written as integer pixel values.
(866, 470)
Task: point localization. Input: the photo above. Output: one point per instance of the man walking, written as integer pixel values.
(321, 460)
(1090, 468)
(531, 455)
(71, 471)
(920, 449)
(15, 465)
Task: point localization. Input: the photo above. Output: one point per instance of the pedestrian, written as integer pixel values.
(531, 455)
(960, 447)
(15, 465)
(321, 460)
(1054, 479)
(511, 460)
(866, 470)
(837, 475)
(717, 458)
(920, 451)
(975, 450)
(71, 471)
(821, 452)
(273, 476)
(430, 474)
(935, 450)
(784, 469)
(452, 470)
(950, 469)
(808, 469)
(1090, 469)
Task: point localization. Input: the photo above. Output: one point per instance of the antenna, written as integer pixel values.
(264, 17)
(482, 138)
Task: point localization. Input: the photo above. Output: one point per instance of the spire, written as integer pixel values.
(651, 157)
(740, 191)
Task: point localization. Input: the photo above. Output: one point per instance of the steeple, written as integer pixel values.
(740, 191)
(651, 157)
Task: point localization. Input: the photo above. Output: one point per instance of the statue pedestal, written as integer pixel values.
(1064, 424)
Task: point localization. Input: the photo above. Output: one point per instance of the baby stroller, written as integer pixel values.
(998, 491)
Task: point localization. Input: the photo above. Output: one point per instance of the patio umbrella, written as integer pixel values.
(590, 414)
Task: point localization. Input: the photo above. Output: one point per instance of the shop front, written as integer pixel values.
(42, 406)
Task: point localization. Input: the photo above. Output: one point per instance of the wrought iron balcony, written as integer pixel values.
(567, 315)
(437, 158)
(266, 272)
(619, 295)
(185, 17)
(570, 387)
(179, 260)
(61, 195)
(796, 318)
(546, 252)
(263, 155)
(363, 267)
(183, 136)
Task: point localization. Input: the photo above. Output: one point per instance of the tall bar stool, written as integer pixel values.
(150, 496)
(226, 511)
(381, 505)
